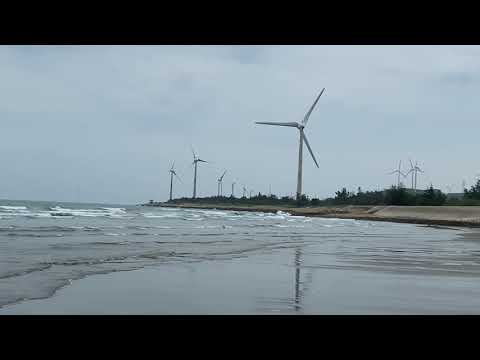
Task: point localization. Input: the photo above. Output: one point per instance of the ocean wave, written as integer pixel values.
(35, 235)
(59, 211)
(106, 211)
(11, 274)
(36, 229)
(12, 208)
(160, 216)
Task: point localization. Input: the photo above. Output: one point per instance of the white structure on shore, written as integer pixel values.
(300, 127)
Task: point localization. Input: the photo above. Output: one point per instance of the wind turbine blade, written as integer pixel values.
(178, 177)
(307, 115)
(193, 151)
(309, 148)
(291, 124)
(221, 177)
(411, 164)
(201, 160)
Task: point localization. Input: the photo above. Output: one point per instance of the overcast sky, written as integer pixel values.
(104, 123)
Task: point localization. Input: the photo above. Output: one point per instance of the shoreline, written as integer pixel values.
(463, 216)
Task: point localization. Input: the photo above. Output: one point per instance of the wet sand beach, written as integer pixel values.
(145, 260)
(282, 283)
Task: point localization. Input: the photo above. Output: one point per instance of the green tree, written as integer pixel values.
(474, 192)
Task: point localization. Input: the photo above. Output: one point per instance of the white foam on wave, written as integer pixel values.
(110, 212)
(159, 216)
(215, 213)
(13, 208)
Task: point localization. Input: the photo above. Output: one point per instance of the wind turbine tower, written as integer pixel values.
(399, 172)
(219, 186)
(233, 187)
(414, 170)
(300, 126)
(196, 160)
(172, 172)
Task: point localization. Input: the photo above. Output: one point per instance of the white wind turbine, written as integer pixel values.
(414, 170)
(399, 172)
(233, 188)
(196, 160)
(172, 172)
(219, 186)
(300, 127)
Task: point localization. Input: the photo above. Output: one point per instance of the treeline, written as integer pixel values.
(470, 197)
(259, 199)
(474, 192)
(393, 196)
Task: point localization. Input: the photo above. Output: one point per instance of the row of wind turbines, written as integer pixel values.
(413, 170)
(300, 126)
(302, 138)
(195, 162)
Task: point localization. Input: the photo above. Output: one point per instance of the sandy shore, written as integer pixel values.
(431, 215)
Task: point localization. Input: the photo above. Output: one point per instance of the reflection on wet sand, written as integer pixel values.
(281, 304)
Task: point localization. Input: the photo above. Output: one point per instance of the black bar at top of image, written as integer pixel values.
(220, 30)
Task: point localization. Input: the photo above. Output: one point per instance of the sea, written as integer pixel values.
(250, 262)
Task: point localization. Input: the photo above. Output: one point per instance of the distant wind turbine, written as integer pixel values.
(399, 172)
(172, 172)
(220, 188)
(244, 190)
(300, 127)
(196, 160)
(233, 187)
(414, 170)
(411, 171)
